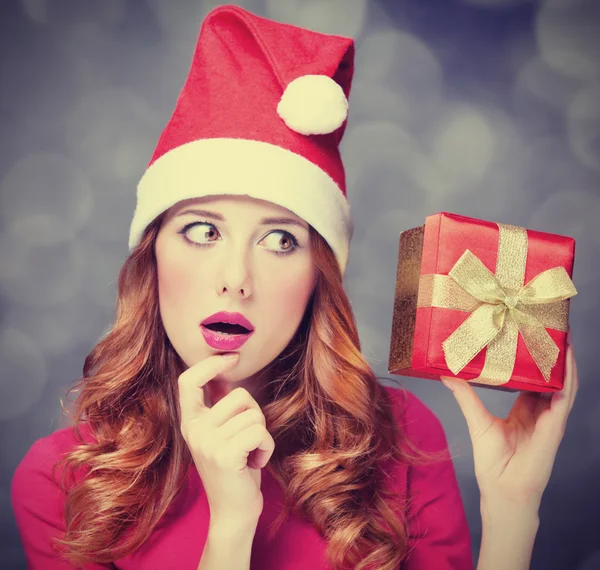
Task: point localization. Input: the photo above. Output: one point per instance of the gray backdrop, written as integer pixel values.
(487, 108)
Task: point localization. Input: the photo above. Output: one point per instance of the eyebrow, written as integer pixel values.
(264, 221)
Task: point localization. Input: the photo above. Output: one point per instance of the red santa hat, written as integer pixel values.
(261, 114)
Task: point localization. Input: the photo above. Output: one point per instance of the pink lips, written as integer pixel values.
(224, 341)
(231, 318)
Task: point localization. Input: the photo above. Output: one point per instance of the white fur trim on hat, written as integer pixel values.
(223, 166)
(313, 105)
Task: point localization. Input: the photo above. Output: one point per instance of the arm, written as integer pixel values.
(227, 547)
(508, 534)
(513, 460)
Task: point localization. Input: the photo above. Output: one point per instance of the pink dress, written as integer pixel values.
(439, 535)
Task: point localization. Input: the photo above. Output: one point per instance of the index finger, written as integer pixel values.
(192, 381)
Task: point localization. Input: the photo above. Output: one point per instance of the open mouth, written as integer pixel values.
(227, 329)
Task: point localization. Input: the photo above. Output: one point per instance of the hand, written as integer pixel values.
(221, 438)
(514, 457)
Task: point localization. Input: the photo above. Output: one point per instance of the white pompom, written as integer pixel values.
(313, 105)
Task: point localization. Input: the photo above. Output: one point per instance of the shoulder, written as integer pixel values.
(416, 420)
(38, 498)
(439, 535)
(44, 453)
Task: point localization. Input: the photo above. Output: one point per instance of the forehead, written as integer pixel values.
(233, 205)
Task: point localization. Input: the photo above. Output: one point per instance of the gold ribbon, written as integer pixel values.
(501, 307)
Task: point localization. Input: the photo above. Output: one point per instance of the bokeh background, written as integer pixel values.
(487, 108)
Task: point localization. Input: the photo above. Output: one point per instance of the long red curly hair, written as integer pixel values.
(332, 422)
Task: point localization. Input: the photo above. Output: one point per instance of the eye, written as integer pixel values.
(200, 233)
(289, 242)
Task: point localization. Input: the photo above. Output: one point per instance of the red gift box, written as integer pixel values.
(482, 301)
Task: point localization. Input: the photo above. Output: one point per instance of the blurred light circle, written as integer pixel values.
(592, 562)
(183, 23)
(106, 14)
(82, 72)
(404, 64)
(35, 88)
(338, 17)
(93, 43)
(376, 252)
(58, 328)
(37, 229)
(23, 373)
(87, 48)
(101, 273)
(40, 275)
(463, 147)
(572, 213)
(550, 164)
(567, 37)
(371, 102)
(583, 122)
(375, 144)
(110, 12)
(181, 27)
(575, 214)
(112, 134)
(36, 10)
(47, 195)
(538, 81)
(494, 3)
(483, 180)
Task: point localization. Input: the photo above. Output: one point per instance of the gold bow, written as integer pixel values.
(501, 308)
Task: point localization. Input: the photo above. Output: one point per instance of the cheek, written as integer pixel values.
(291, 292)
(175, 283)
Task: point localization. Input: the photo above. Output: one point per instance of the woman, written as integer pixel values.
(273, 446)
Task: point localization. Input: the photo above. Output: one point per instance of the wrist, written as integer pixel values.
(508, 531)
(228, 528)
(506, 511)
(228, 544)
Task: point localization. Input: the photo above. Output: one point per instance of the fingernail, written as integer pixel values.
(230, 357)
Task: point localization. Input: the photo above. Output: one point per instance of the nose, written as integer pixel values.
(235, 274)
